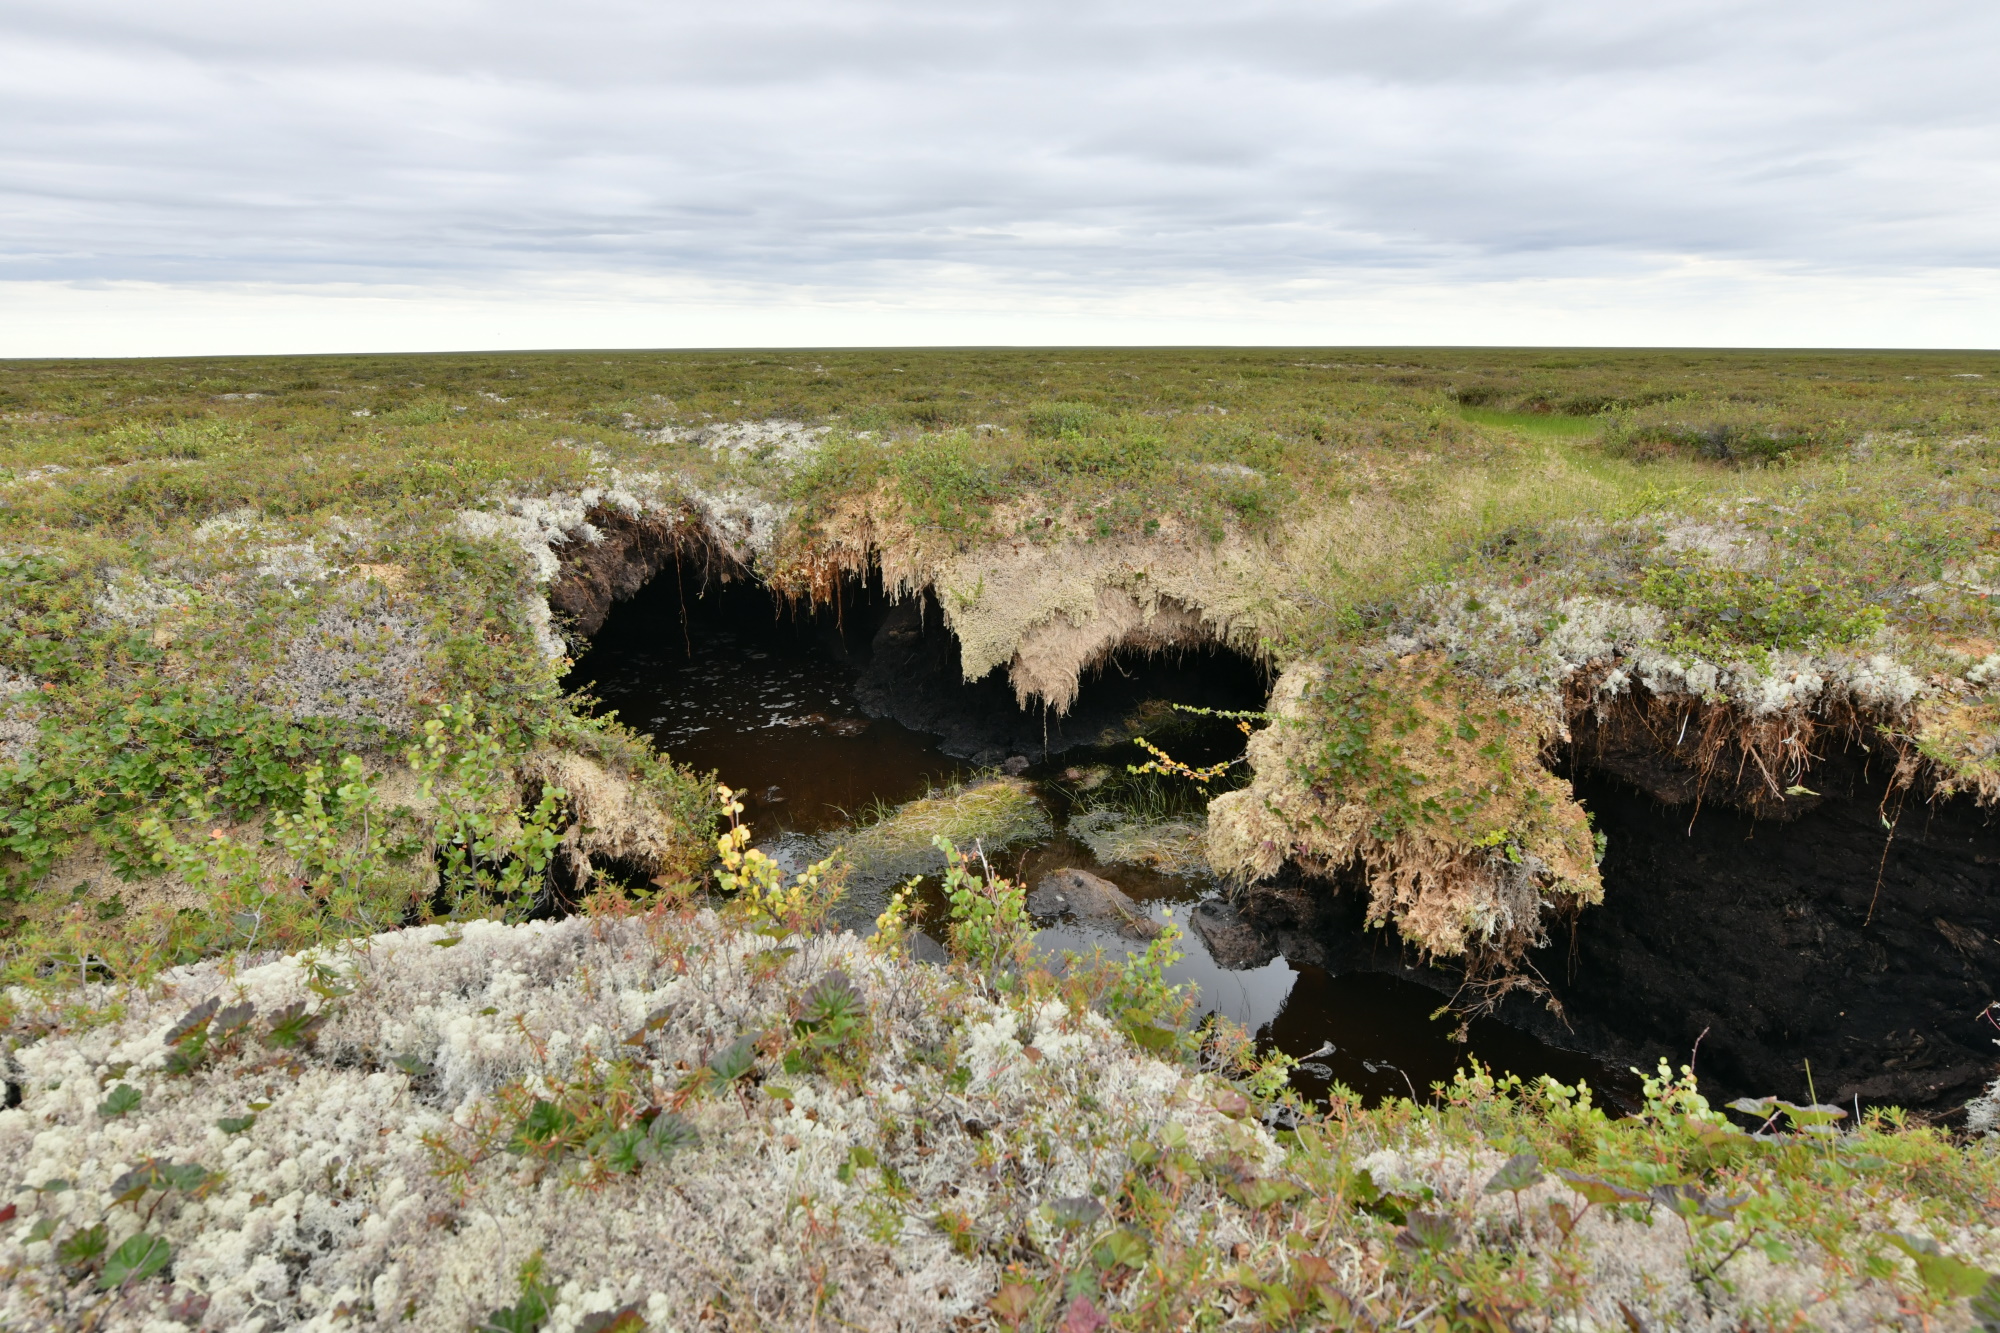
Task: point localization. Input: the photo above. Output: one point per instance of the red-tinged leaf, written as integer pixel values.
(1313, 1269)
(1083, 1316)
(1012, 1302)
(195, 1019)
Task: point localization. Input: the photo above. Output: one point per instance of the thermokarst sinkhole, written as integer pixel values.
(1755, 945)
(856, 715)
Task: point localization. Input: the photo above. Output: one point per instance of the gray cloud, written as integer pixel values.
(1075, 146)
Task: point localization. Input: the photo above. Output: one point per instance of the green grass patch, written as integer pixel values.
(1534, 423)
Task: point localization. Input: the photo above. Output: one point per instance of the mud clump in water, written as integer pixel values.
(991, 815)
(1092, 899)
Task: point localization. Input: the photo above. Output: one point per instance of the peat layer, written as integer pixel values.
(1862, 934)
(905, 659)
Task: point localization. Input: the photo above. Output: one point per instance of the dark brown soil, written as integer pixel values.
(1824, 938)
(629, 554)
(1820, 937)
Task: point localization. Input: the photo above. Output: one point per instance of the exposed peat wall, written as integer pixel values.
(1821, 935)
(629, 553)
(1827, 937)
(907, 659)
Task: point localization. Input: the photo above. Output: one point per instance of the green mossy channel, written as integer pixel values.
(278, 673)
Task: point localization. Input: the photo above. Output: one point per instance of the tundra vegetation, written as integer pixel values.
(357, 973)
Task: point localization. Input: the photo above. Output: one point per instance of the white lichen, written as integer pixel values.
(331, 1208)
(136, 600)
(362, 658)
(20, 714)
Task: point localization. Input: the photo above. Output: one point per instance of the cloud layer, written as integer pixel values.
(1097, 156)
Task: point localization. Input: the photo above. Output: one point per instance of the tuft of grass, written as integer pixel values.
(993, 812)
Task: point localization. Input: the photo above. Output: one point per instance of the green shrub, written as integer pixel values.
(1721, 613)
(1054, 421)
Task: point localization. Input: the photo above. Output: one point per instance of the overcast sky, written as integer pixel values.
(263, 177)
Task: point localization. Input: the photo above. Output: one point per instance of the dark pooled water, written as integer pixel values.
(771, 715)
(772, 702)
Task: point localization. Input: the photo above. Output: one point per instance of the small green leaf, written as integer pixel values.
(235, 1124)
(44, 1228)
(150, 1174)
(1521, 1171)
(413, 1065)
(1681, 1200)
(1813, 1116)
(623, 1151)
(322, 980)
(1986, 1306)
(1074, 1212)
(83, 1246)
(1261, 1193)
(526, 1317)
(1428, 1231)
(187, 1057)
(1941, 1274)
(1123, 1247)
(55, 1186)
(123, 1100)
(448, 941)
(545, 1123)
(671, 1133)
(137, 1259)
(1599, 1191)
(738, 1059)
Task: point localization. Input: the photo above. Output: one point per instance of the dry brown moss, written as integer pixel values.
(1430, 786)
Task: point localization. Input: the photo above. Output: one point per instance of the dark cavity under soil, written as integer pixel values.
(1818, 957)
(822, 717)
(1826, 938)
